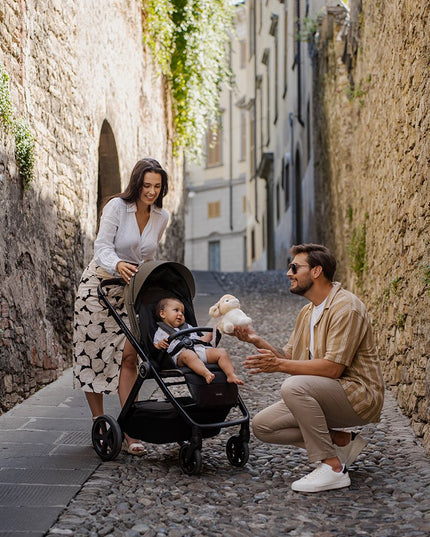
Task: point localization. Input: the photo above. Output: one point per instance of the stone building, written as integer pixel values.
(264, 151)
(215, 218)
(79, 73)
(372, 171)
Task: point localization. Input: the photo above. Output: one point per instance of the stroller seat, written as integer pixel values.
(201, 411)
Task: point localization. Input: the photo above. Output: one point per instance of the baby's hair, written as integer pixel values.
(161, 305)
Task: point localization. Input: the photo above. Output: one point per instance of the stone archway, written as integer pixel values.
(109, 180)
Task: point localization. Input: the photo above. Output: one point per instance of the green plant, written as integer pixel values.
(24, 139)
(6, 110)
(357, 251)
(349, 213)
(24, 152)
(188, 39)
(354, 93)
(401, 320)
(426, 277)
(308, 28)
(395, 284)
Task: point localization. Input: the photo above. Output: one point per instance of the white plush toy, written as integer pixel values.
(228, 311)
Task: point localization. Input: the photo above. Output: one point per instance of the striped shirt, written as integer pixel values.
(343, 334)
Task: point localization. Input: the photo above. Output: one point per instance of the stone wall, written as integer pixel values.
(372, 166)
(72, 67)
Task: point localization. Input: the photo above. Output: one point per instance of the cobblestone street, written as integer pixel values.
(151, 497)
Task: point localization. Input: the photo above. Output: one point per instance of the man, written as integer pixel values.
(335, 379)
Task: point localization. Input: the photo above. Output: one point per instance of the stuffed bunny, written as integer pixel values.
(228, 311)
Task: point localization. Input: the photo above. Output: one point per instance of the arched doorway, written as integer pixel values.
(109, 180)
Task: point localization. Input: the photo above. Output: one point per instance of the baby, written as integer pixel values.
(171, 312)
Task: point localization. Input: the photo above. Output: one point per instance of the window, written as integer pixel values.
(278, 203)
(251, 28)
(214, 145)
(242, 45)
(242, 135)
(252, 141)
(266, 62)
(274, 32)
(214, 255)
(214, 209)
(244, 204)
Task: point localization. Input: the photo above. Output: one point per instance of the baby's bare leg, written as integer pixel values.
(190, 359)
(220, 357)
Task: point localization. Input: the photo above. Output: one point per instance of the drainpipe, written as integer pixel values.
(230, 142)
(299, 67)
(292, 175)
(254, 30)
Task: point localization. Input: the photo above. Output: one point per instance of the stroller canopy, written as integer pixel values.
(153, 281)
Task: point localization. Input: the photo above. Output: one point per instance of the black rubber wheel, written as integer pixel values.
(190, 461)
(106, 436)
(237, 451)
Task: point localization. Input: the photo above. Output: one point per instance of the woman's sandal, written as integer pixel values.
(134, 448)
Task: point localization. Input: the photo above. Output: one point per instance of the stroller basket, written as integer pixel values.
(185, 419)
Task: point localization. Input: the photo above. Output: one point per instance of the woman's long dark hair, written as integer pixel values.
(132, 193)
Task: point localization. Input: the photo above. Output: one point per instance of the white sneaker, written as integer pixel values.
(348, 454)
(322, 478)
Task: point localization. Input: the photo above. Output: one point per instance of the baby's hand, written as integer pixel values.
(162, 344)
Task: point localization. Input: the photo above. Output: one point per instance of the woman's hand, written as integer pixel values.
(264, 362)
(126, 270)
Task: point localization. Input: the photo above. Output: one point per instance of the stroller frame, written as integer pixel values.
(187, 422)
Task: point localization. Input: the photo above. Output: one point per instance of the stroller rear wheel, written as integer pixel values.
(190, 460)
(237, 451)
(106, 437)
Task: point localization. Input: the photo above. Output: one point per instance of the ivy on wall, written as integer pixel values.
(24, 139)
(188, 39)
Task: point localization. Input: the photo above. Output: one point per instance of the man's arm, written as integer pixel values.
(267, 362)
(248, 334)
(272, 360)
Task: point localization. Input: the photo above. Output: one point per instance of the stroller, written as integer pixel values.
(200, 410)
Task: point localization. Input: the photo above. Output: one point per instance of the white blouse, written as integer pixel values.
(119, 238)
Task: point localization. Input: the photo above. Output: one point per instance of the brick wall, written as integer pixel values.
(72, 65)
(373, 173)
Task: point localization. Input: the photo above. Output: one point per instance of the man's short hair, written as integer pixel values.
(318, 255)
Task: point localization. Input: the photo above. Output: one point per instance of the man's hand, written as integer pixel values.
(264, 362)
(245, 333)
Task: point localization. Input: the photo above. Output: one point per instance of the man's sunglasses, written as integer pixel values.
(295, 266)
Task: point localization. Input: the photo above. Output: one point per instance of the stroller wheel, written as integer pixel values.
(106, 436)
(237, 451)
(190, 460)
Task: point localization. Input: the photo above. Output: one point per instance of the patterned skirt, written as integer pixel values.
(98, 341)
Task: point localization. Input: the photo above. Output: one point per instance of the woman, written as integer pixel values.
(131, 226)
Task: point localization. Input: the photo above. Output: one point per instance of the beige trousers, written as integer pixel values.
(310, 407)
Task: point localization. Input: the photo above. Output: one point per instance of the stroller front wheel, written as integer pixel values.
(106, 436)
(190, 460)
(237, 451)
